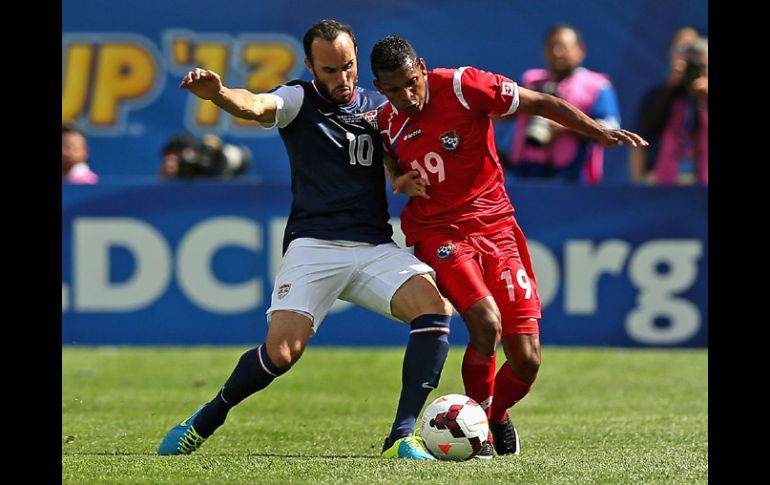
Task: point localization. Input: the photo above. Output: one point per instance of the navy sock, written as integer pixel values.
(254, 372)
(423, 360)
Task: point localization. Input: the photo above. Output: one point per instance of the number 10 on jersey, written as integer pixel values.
(360, 149)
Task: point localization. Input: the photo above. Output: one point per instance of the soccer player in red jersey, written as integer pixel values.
(459, 218)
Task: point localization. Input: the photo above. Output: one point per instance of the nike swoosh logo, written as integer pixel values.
(184, 423)
(426, 385)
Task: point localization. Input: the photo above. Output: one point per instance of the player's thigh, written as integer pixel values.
(419, 295)
(458, 273)
(383, 269)
(511, 282)
(311, 277)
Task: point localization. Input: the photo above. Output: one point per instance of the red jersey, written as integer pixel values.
(451, 144)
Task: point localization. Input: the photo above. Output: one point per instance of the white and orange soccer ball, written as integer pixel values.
(454, 427)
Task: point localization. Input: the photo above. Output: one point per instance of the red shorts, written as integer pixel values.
(473, 267)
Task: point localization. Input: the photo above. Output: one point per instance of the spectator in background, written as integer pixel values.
(172, 154)
(74, 156)
(186, 157)
(674, 117)
(544, 148)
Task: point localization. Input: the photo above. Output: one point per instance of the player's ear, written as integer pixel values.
(309, 66)
(377, 85)
(423, 67)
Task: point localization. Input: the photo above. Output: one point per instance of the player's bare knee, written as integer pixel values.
(532, 367)
(484, 328)
(483, 320)
(419, 296)
(287, 354)
(443, 306)
(527, 367)
(433, 302)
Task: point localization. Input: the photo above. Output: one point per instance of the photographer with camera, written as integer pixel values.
(673, 116)
(185, 157)
(543, 148)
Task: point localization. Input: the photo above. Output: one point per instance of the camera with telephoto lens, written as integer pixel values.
(695, 55)
(538, 132)
(692, 71)
(212, 158)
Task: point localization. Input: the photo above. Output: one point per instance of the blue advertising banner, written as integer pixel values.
(193, 263)
(122, 61)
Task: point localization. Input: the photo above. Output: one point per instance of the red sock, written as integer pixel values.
(509, 390)
(479, 376)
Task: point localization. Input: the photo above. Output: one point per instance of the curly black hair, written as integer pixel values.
(392, 53)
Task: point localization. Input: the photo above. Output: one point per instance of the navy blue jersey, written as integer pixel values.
(337, 175)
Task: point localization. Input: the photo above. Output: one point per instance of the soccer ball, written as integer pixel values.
(454, 427)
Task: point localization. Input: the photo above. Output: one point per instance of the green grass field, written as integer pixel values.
(594, 416)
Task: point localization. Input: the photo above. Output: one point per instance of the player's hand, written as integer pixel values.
(612, 138)
(411, 184)
(203, 83)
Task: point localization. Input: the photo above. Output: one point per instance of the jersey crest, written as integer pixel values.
(445, 251)
(283, 290)
(371, 118)
(450, 140)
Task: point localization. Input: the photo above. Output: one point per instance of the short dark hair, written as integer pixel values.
(327, 30)
(179, 142)
(392, 53)
(70, 127)
(558, 27)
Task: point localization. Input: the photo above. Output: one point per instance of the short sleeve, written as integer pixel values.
(485, 91)
(288, 101)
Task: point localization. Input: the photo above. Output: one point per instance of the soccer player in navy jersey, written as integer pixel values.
(337, 242)
(459, 217)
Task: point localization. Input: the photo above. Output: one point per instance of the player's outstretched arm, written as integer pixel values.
(207, 84)
(566, 114)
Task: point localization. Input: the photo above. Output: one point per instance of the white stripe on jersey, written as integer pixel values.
(514, 101)
(457, 84)
(390, 124)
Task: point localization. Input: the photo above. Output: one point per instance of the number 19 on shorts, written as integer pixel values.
(522, 279)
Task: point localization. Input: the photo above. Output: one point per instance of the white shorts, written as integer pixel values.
(315, 272)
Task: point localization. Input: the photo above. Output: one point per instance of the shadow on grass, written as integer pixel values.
(310, 456)
(249, 455)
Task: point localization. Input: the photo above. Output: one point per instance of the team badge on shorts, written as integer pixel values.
(283, 290)
(445, 251)
(450, 140)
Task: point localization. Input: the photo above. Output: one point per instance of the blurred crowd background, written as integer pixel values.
(642, 64)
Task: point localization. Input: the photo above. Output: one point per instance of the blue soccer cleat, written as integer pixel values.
(407, 447)
(182, 439)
